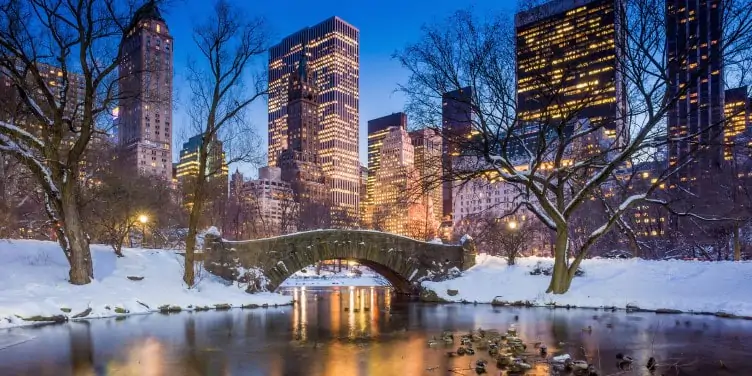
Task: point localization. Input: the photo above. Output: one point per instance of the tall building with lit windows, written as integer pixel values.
(333, 58)
(299, 162)
(456, 128)
(736, 127)
(187, 167)
(567, 64)
(397, 199)
(144, 123)
(427, 145)
(695, 71)
(378, 129)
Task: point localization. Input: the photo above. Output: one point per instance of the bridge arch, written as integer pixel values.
(265, 263)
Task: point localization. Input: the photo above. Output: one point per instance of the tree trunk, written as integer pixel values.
(737, 243)
(190, 245)
(76, 241)
(559, 278)
(193, 219)
(636, 251)
(118, 248)
(190, 242)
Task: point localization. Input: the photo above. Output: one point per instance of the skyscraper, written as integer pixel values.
(299, 161)
(397, 200)
(456, 127)
(378, 129)
(736, 132)
(567, 59)
(333, 59)
(216, 169)
(695, 71)
(428, 151)
(363, 196)
(145, 108)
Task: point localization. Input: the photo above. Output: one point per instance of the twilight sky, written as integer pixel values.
(385, 26)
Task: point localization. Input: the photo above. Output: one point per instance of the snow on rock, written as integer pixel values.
(436, 241)
(695, 286)
(211, 231)
(33, 280)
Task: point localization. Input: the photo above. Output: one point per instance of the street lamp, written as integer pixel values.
(143, 218)
(512, 225)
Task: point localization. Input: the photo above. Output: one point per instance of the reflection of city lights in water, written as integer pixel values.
(300, 314)
(303, 315)
(362, 316)
(373, 305)
(143, 358)
(388, 300)
(351, 313)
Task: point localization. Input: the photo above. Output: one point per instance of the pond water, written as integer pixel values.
(324, 335)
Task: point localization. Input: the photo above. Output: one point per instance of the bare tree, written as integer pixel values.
(557, 156)
(501, 235)
(60, 58)
(15, 194)
(116, 200)
(229, 42)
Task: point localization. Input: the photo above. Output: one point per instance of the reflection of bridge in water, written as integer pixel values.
(265, 263)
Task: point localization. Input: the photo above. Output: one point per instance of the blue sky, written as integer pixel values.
(385, 26)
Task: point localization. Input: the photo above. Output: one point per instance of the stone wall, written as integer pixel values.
(265, 263)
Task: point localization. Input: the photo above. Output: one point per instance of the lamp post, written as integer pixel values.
(143, 218)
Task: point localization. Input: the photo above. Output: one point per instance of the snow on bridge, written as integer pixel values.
(265, 263)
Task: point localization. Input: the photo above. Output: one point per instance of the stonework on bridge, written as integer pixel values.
(265, 263)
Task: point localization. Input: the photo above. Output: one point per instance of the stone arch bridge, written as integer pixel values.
(265, 263)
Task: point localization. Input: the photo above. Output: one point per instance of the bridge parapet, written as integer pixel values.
(265, 263)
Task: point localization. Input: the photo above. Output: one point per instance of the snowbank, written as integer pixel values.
(690, 286)
(33, 282)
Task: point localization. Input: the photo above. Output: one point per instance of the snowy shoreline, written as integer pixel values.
(34, 287)
(694, 287)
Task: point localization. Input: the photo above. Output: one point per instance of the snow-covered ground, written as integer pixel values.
(334, 281)
(33, 282)
(328, 278)
(683, 285)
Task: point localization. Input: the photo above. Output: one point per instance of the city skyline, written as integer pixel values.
(379, 73)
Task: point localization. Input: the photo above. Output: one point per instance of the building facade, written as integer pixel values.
(299, 162)
(456, 128)
(427, 151)
(144, 123)
(736, 128)
(266, 205)
(378, 129)
(695, 70)
(363, 196)
(567, 64)
(333, 57)
(397, 200)
(187, 169)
